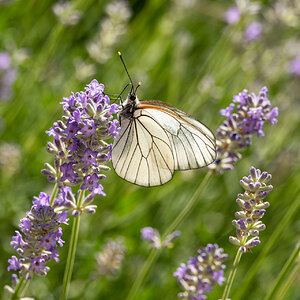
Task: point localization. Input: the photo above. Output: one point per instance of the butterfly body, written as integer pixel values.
(156, 139)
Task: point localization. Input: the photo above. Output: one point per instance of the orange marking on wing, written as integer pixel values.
(145, 106)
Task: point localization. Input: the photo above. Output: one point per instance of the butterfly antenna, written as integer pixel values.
(139, 84)
(132, 87)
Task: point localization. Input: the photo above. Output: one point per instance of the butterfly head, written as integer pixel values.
(131, 99)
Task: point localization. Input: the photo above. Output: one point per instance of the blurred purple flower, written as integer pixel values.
(202, 272)
(253, 31)
(294, 67)
(5, 61)
(152, 236)
(253, 208)
(232, 15)
(245, 117)
(8, 75)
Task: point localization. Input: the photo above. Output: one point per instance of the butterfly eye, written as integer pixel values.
(132, 97)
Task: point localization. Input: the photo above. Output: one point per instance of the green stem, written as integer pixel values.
(53, 194)
(289, 281)
(246, 284)
(19, 289)
(286, 270)
(231, 275)
(184, 213)
(72, 251)
(174, 225)
(138, 282)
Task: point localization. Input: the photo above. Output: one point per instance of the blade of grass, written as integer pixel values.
(286, 270)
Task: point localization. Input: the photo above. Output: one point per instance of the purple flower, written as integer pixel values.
(71, 129)
(90, 182)
(94, 88)
(41, 235)
(17, 240)
(152, 236)
(79, 146)
(253, 31)
(232, 15)
(8, 75)
(202, 272)
(14, 264)
(253, 209)
(114, 128)
(68, 172)
(245, 117)
(294, 66)
(5, 61)
(89, 128)
(89, 157)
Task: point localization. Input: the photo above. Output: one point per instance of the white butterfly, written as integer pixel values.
(156, 139)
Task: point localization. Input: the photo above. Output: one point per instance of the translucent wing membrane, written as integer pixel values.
(193, 144)
(142, 153)
(157, 140)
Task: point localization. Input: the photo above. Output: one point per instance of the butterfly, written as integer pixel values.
(156, 139)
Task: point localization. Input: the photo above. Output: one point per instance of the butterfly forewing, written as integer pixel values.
(142, 153)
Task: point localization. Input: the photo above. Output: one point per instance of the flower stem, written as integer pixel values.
(72, 251)
(19, 289)
(231, 275)
(53, 194)
(138, 282)
(286, 270)
(178, 220)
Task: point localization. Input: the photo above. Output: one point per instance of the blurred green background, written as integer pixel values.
(187, 54)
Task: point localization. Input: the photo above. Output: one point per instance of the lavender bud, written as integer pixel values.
(252, 242)
(75, 213)
(51, 178)
(253, 173)
(90, 209)
(244, 185)
(51, 149)
(263, 205)
(234, 241)
(253, 232)
(90, 110)
(248, 223)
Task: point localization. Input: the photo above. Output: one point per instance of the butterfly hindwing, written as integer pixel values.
(193, 144)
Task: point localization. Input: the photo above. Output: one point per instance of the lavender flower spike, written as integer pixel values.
(253, 209)
(245, 117)
(202, 272)
(80, 149)
(111, 257)
(41, 235)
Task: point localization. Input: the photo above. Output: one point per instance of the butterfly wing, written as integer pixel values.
(142, 153)
(193, 144)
